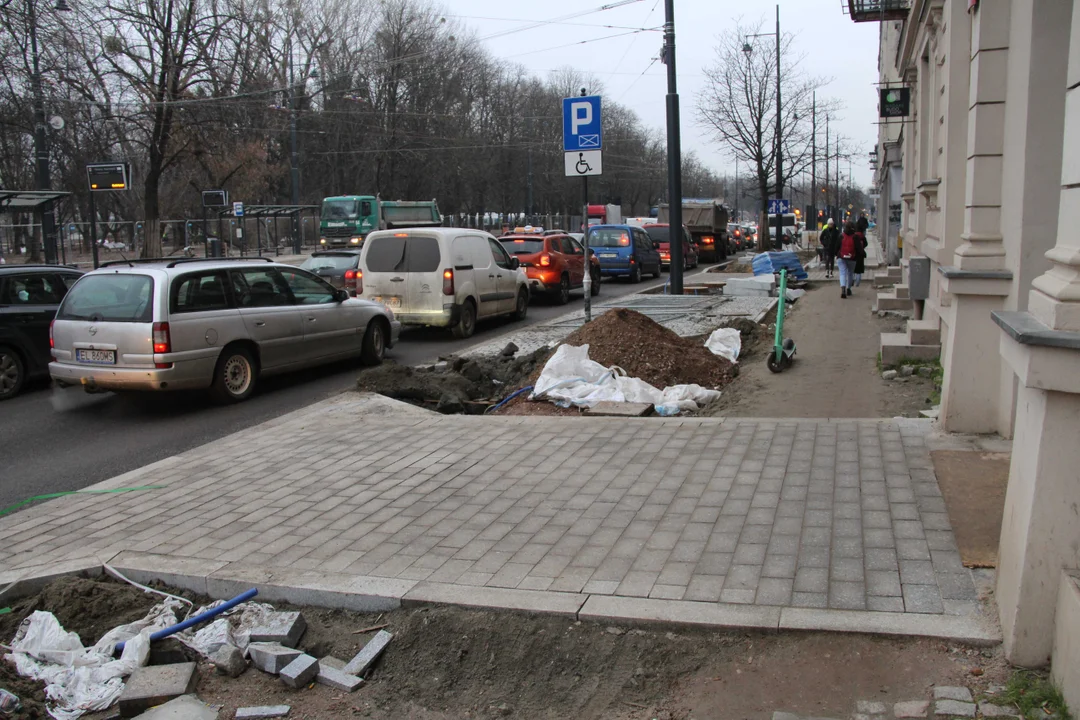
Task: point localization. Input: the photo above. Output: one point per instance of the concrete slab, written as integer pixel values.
(284, 628)
(620, 409)
(332, 673)
(602, 608)
(155, 685)
(185, 707)
(271, 657)
(552, 603)
(369, 654)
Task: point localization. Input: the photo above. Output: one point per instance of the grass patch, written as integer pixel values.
(1036, 696)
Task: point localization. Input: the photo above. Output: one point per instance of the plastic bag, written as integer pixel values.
(725, 342)
(570, 378)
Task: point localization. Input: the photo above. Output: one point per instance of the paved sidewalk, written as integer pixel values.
(841, 515)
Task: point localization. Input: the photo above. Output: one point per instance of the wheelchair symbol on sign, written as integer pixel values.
(582, 165)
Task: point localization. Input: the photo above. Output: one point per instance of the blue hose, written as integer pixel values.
(200, 618)
(509, 397)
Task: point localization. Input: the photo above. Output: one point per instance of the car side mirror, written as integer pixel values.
(515, 263)
(341, 295)
(656, 246)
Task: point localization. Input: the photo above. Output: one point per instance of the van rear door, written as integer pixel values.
(424, 275)
(384, 262)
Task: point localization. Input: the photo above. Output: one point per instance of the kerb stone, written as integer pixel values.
(333, 675)
(262, 711)
(911, 709)
(285, 628)
(990, 710)
(300, 671)
(271, 657)
(369, 654)
(866, 707)
(155, 685)
(960, 694)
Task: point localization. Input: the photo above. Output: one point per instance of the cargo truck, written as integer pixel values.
(707, 222)
(347, 219)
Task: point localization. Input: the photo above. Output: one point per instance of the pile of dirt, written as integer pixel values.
(31, 693)
(737, 267)
(88, 606)
(456, 384)
(646, 349)
(755, 337)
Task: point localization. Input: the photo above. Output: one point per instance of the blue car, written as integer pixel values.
(624, 251)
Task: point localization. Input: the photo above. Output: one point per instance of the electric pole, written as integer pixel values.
(674, 154)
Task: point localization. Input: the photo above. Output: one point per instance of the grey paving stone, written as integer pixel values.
(332, 674)
(952, 692)
(368, 654)
(912, 709)
(847, 569)
(774, 591)
(262, 711)
(271, 657)
(883, 582)
(300, 671)
(956, 586)
(284, 628)
(155, 685)
(847, 595)
(705, 588)
(779, 566)
(878, 603)
(870, 707)
(991, 710)
(812, 580)
(954, 709)
(922, 599)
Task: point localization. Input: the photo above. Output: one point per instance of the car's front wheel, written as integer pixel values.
(12, 373)
(235, 376)
(374, 348)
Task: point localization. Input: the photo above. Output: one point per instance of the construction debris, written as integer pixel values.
(300, 671)
(271, 657)
(609, 408)
(185, 707)
(155, 685)
(284, 628)
(229, 660)
(332, 673)
(366, 657)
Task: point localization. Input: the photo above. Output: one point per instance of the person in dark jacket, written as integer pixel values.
(845, 258)
(860, 257)
(830, 243)
(862, 224)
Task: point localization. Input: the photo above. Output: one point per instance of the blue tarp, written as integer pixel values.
(768, 263)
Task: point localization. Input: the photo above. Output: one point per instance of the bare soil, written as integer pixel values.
(835, 372)
(447, 662)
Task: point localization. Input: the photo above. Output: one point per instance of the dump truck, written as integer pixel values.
(347, 219)
(707, 222)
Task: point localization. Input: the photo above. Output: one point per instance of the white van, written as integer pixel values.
(442, 277)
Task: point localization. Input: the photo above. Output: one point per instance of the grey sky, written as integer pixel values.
(834, 47)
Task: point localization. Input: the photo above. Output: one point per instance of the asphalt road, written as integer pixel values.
(54, 440)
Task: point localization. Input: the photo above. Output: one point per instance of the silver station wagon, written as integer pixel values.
(208, 324)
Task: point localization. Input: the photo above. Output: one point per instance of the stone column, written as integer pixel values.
(1040, 533)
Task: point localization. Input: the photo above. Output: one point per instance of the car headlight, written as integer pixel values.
(322, 241)
(355, 241)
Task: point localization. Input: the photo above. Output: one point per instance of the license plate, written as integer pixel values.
(391, 302)
(96, 357)
(608, 255)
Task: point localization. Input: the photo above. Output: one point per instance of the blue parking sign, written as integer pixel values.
(581, 124)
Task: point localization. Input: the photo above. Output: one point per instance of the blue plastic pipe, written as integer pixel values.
(200, 618)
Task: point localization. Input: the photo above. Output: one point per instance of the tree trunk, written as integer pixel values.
(763, 239)
(151, 226)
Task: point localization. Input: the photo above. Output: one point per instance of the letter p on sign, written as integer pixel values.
(580, 114)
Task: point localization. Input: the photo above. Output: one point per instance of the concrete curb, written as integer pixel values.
(222, 580)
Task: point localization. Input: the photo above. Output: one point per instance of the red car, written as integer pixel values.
(554, 264)
(659, 233)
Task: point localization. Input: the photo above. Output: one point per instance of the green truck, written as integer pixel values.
(347, 219)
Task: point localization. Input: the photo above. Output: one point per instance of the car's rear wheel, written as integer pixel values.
(522, 306)
(235, 375)
(374, 348)
(658, 271)
(562, 295)
(635, 274)
(466, 324)
(12, 373)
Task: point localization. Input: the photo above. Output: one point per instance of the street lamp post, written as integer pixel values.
(747, 48)
(41, 139)
(674, 154)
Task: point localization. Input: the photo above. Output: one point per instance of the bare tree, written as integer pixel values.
(738, 105)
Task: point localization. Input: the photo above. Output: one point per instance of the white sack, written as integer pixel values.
(725, 342)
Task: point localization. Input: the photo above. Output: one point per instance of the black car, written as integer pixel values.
(29, 296)
(340, 268)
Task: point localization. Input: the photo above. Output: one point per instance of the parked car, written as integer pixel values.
(29, 296)
(208, 323)
(442, 277)
(554, 264)
(660, 234)
(337, 267)
(624, 251)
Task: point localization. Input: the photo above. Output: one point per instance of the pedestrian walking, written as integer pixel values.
(860, 256)
(830, 243)
(846, 258)
(862, 224)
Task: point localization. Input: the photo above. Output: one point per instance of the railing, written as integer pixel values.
(877, 10)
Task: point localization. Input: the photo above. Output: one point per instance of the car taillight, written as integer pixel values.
(162, 344)
(545, 260)
(359, 282)
(448, 282)
(52, 343)
(350, 274)
(707, 240)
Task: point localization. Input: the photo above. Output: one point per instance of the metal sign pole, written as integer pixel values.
(587, 281)
(93, 230)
